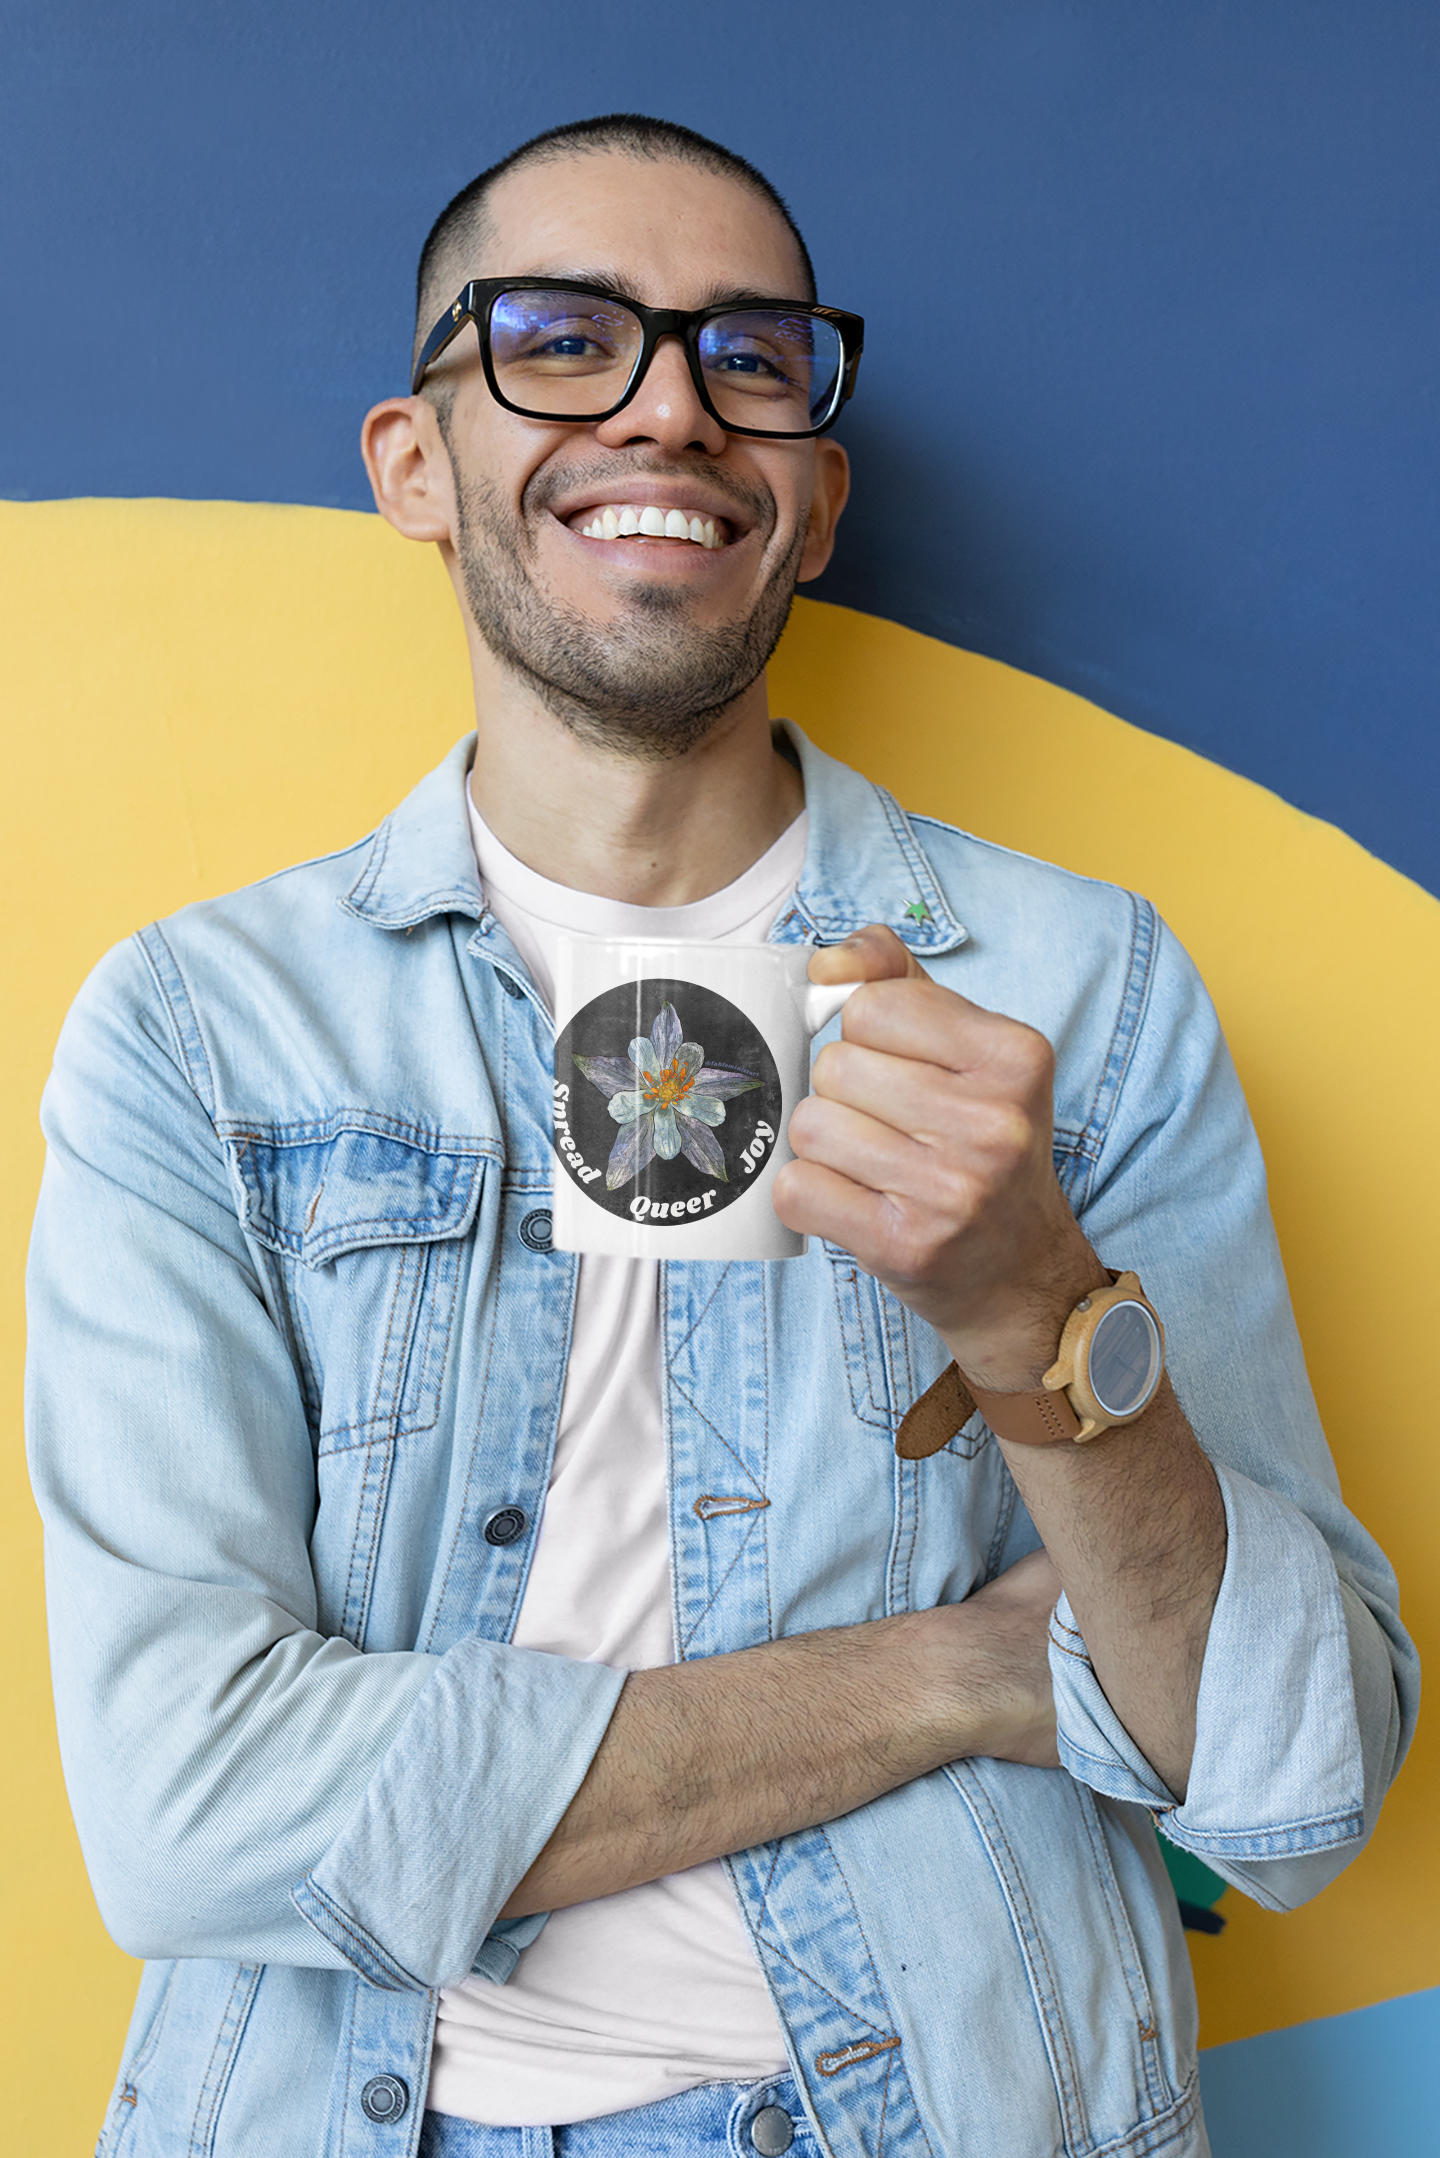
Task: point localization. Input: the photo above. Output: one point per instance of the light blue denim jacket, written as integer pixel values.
(297, 1337)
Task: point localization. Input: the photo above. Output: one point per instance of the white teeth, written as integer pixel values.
(624, 522)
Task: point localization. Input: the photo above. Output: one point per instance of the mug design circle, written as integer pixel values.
(667, 1101)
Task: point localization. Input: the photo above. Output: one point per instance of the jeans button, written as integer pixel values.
(535, 1230)
(384, 2099)
(505, 1526)
(772, 2131)
(510, 986)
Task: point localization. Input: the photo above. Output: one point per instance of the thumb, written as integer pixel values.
(871, 954)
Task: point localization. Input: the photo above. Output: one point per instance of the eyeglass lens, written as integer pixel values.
(567, 355)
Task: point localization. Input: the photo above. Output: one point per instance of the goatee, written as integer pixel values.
(650, 685)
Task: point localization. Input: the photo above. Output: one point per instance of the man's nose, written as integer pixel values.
(665, 409)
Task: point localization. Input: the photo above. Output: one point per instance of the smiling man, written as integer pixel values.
(524, 1705)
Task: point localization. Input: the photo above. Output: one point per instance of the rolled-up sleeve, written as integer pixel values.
(246, 1785)
(1309, 1684)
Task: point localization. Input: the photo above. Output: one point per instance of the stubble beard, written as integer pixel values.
(650, 685)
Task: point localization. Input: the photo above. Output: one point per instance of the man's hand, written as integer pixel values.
(925, 1150)
(704, 1758)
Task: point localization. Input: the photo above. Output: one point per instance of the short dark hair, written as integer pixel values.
(634, 133)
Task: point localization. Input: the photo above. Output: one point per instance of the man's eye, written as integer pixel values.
(570, 347)
(751, 368)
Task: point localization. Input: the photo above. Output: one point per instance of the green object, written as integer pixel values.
(917, 911)
(1191, 1881)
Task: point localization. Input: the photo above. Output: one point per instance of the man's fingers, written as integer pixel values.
(821, 1202)
(930, 1103)
(876, 1152)
(872, 954)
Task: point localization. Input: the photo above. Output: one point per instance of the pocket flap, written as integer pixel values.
(315, 1192)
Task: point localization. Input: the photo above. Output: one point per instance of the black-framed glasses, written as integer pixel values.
(555, 351)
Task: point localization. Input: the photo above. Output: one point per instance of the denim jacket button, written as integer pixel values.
(505, 1526)
(772, 2131)
(511, 988)
(384, 2098)
(535, 1230)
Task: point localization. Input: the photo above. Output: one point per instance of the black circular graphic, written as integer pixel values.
(667, 1102)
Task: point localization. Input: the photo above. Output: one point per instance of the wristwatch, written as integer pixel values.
(1107, 1369)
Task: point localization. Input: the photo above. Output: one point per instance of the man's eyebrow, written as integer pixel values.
(616, 289)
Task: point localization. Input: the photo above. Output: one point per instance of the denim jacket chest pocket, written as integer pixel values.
(365, 1223)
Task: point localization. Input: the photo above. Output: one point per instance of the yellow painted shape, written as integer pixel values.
(197, 693)
(1325, 967)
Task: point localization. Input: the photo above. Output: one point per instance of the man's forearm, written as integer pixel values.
(704, 1758)
(1136, 1526)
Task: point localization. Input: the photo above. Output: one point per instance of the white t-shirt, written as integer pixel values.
(635, 1996)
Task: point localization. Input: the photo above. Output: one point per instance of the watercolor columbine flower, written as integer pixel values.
(666, 1099)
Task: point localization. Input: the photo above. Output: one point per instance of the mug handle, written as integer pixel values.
(822, 1000)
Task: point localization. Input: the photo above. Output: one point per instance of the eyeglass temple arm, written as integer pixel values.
(450, 324)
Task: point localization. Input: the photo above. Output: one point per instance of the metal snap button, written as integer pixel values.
(772, 2131)
(384, 2098)
(505, 1526)
(535, 1230)
(508, 984)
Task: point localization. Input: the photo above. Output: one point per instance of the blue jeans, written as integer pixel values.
(715, 2118)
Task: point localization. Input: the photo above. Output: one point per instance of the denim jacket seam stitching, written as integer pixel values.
(383, 1389)
(1056, 2020)
(374, 1473)
(690, 1332)
(462, 1511)
(1069, 2101)
(1125, 1034)
(1127, 1948)
(204, 1094)
(363, 889)
(760, 1521)
(915, 858)
(874, 1974)
(713, 1428)
(863, 1405)
(1352, 1820)
(365, 1941)
(719, 1589)
(810, 1979)
(378, 1123)
(207, 2102)
(349, 2042)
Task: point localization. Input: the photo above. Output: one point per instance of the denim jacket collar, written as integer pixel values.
(863, 862)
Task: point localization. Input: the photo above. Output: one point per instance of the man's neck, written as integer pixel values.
(653, 834)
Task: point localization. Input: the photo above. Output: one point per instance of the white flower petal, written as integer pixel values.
(667, 1134)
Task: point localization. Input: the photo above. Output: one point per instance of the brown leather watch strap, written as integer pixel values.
(936, 1418)
(1039, 1419)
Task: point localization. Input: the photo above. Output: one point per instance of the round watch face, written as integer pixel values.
(1125, 1359)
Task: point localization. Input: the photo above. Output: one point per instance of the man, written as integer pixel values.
(412, 1582)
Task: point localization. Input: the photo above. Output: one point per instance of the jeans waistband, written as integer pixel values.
(715, 2120)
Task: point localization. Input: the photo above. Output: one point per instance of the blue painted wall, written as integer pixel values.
(1356, 2086)
(1150, 400)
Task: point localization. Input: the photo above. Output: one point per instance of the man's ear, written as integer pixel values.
(832, 490)
(409, 468)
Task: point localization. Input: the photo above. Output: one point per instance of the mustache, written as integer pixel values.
(755, 502)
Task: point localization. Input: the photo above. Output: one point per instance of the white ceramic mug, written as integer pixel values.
(677, 1069)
